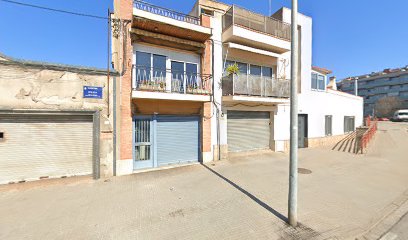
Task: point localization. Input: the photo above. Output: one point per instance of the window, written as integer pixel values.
(328, 125)
(143, 65)
(159, 68)
(255, 70)
(207, 12)
(1, 136)
(318, 82)
(177, 75)
(267, 72)
(314, 81)
(349, 124)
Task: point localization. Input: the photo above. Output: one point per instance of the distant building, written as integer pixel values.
(377, 85)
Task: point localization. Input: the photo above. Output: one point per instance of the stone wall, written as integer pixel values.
(43, 86)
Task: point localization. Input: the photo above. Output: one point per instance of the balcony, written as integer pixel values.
(248, 28)
(159, 20)
(255, 86)
(153, 83)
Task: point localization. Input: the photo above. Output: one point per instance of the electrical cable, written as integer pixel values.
(55, 10)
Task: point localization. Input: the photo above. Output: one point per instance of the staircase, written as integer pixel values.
(357, 141)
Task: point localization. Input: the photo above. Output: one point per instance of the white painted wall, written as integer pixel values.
(318, 104)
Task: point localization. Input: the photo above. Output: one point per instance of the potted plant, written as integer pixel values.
(232, 69)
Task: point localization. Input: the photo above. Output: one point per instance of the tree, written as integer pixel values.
(386, 106)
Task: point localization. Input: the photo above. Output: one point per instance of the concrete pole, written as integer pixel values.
(293, 165)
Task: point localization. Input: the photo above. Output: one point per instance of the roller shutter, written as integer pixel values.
(177, 140)
(248, 131)
(36, 146)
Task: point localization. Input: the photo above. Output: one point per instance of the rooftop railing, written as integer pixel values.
(258, 22)
(166, 12)
(253, 85)
(166, 80)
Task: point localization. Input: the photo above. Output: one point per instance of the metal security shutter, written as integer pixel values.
(177, 140)
(36, 146)
(248, 130)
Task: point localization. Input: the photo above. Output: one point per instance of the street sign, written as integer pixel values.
(93, 92)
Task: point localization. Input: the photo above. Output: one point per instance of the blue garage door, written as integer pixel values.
(178, 140)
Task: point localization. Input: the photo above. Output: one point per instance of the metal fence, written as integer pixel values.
(258, 22)
(252, 85)
(166, 12)
(166, 80)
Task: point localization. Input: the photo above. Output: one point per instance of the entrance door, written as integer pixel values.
(143, 136)
(302, 130)
(166, 140)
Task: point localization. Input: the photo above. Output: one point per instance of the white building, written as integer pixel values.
(255, 102)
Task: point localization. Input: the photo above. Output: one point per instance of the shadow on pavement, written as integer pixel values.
(255, 199)
(301, 232)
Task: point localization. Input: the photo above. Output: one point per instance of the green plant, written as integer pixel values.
(232, 69)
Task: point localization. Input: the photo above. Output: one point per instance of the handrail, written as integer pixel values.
(248, 19)
(167, 80)
(166, 12)
(369, 134)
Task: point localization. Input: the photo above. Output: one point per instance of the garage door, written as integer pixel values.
(248, 131)
(37, 146)
(177, 140)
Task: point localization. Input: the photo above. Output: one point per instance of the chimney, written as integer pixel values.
(332, 83)
(356, 86)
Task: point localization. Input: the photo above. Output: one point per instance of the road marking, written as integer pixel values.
(389, 236)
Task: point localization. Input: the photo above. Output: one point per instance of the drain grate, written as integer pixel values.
(304, 171)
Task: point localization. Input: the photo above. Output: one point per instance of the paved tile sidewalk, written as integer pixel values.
(242, 198)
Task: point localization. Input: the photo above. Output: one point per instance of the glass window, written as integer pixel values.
(159, 67)
(320, 80)
(143, 65)
(191, 73)
(243, 67)
(177, 75)
(314, 81)
(267, 72)
(255, 70)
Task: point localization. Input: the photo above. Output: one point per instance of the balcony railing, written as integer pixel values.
(258, 22)
(166, 80)
(252, 85)
(166, 12)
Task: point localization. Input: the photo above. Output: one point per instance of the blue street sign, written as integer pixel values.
(93, 92)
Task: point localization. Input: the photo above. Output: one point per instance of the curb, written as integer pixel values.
(391, 215)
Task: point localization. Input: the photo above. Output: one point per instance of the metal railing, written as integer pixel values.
(368, 134)
(166, 80)
(258, 22)
(253, 85)
(166, 12)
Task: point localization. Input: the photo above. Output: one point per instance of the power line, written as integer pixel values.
(55, 10)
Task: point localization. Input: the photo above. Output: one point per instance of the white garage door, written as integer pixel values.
(248, 131)
(38, 146)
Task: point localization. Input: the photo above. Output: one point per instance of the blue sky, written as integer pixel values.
(350, 37)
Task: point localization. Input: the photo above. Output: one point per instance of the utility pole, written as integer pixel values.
(293, 165)
(270, 8)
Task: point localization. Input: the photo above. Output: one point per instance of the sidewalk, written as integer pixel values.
(242, 198)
